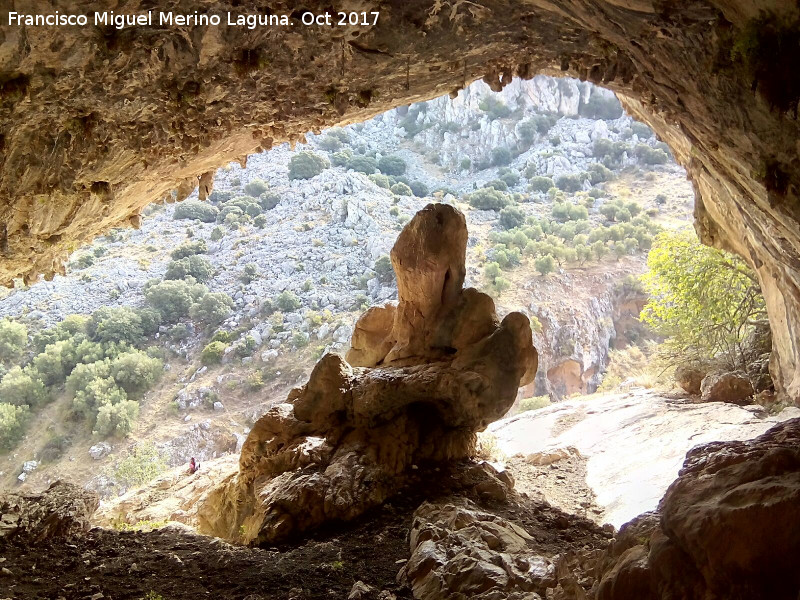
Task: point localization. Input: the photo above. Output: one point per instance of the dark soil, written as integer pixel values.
(171, 564)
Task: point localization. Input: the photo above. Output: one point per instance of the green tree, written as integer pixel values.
(705, 301)
(135, 372)
(383, 268)
(545, 264)
(121, 325)
(363, 164)
(511, 217)
(401, 189)
(172, 299)
(22, 387)
(145, 463)
(12, 424)
(213, 308)
(13, 339)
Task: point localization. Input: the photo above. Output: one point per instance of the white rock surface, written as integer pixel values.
(635, 443)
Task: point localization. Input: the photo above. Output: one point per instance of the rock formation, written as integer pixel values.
(726, 528)
(62, 510)
(96, 122)
(426, 375)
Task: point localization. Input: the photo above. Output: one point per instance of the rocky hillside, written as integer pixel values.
(562, 193)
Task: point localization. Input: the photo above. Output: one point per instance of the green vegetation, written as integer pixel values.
(534, 403)
(392, 165)
(189, 249)
(142, 465)
(488, 199)
(256, 187)
(194, 266)
(196, 211)
(705, 301)
(494, 107)
(306, 165)
(287, 301)
(12, 424)
(212, 354)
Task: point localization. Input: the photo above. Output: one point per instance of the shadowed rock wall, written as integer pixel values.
(97, 122)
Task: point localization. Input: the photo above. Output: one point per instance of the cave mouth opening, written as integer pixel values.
(239, 295)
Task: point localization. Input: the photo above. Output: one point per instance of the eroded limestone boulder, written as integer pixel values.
(62, 510)
(727, 528)
(427, 375)
(734, 387)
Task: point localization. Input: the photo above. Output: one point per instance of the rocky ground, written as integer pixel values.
(175, 564)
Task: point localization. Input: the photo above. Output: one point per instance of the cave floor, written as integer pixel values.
(174, 564)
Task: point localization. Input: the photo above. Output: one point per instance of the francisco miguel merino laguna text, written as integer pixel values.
(250, 21)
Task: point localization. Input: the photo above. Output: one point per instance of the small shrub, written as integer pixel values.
(535, 403)
(306, 165)
(383, 268)
(142, 465)
(212, 354)
(191, 266)
(256, 187)
(494, 107)
(540, 184)
(419, 189)
(249, 273)
(488, 199)
(22, 387)
(381, 181)
(189, 249)
(213, 308)
(135, 372)
(172, 298)
(401, 189)
(392, 165)
(287, 301)
(196, 211)
(501, 156)
(13, 339)
(511, 217)
(569, 183)
(545, 264)
(363, 164)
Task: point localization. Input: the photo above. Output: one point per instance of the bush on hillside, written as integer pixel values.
(419, 189)
(501, 156)
(256, 187)
(392, 165)
(191, 266)
(287, 301)
(195, 210)
(363, 164)
(569, 183)
(120, 325)
(171, 298)
(545, 264)
(212, 354)
(13, 339)
(213, 308)
(144, 464)
(12, 424)
(650, 156)
(382, 181)
(22, 387)
(540, 184)
(401, 189)
(136, 372)
(511, 217)
(306, 165)
(189, 249)
(494, 107)
(383, 268)
(488, 199)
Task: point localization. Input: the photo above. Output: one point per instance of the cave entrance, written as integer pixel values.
(191, 326)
